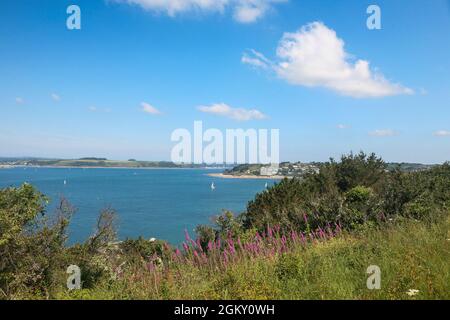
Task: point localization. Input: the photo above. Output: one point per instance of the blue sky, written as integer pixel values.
(135, 72)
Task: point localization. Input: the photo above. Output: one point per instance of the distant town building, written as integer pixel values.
(272, 170)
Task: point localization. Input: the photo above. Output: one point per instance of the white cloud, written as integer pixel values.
(148, 108)
(239, 114)
(442, 133)
(20, 100)
(342, 126)
(248, 11)
(244, 11)
(174, 7)
(383, 133)
(55, 97)
(248, 14)
(314, 56)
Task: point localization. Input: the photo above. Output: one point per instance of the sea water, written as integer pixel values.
(153, 203)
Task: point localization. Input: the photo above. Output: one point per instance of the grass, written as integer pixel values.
(410, 254)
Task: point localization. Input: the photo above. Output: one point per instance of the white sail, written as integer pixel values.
(213, 187)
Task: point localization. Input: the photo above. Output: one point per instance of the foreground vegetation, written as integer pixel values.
(308, 239)
(411, 255)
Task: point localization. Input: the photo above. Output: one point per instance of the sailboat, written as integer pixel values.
(65, 182)
(267, 185)
(213, 187)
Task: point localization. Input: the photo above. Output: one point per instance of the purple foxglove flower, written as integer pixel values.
(186, 235)
(210, 246)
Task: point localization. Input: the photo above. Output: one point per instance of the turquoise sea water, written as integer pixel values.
(157, 203)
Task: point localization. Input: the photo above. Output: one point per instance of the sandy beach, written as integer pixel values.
(227, 176)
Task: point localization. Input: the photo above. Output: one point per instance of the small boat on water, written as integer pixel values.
(213, 187)
(65, 182)
(267, 185)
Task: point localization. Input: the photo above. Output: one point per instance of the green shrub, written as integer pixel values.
(357, 190)
(31, 245)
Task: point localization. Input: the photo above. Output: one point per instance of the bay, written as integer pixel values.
(153, 203)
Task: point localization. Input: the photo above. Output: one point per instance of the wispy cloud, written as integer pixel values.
(342, 126)
(423, 91)
(96, 109)
(244, 11)
(442, 133)
(148, 108)
(55, 97)
(239, 114)
(256, 59)
(20, 100)
(383, 133)
(314, 56)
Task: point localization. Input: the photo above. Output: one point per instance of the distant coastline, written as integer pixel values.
(99, 163)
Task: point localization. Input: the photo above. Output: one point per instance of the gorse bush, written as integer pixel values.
(354, 191)
(326, 197)
(302, 238)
